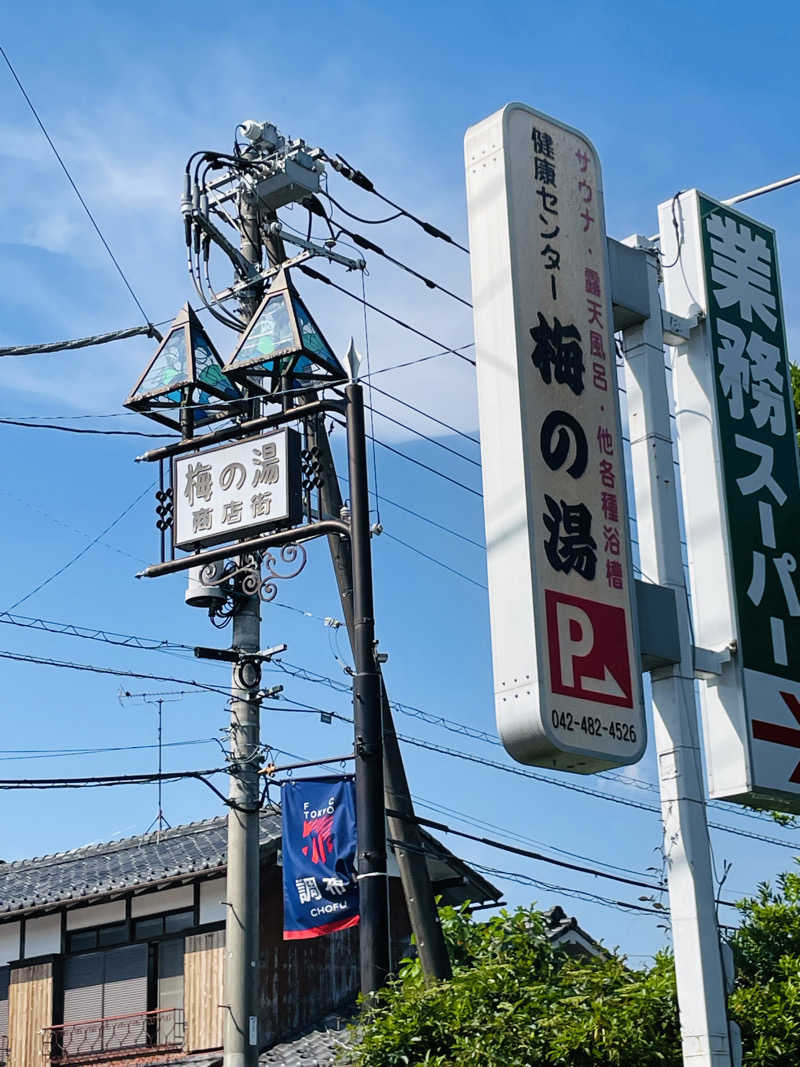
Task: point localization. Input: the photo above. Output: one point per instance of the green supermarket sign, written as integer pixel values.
(757, 435)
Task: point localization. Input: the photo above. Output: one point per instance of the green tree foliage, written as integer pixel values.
(795, 373)
(766, 999)
(515, 1000)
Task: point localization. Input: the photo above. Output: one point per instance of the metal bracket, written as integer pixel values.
(276, 229)
(676, 328)
(708, 664)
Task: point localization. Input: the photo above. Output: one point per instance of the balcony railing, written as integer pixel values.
(3, 1051)
(115, 1037)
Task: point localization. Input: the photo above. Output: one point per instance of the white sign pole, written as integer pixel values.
(695, 934)
(564, 634)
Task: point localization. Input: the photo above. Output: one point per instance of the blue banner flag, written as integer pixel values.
(320, 890)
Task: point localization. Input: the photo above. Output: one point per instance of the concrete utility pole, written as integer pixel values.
(695, 933)
(242, 891)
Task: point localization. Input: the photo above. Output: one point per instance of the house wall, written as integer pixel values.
(10, 942)
(300, 981)
(95, 915)
(30, 1007)
(203, 990)
(42, 935)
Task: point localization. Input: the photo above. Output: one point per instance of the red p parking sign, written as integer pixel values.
(588, 647)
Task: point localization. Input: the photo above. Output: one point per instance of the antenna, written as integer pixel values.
(157, 699)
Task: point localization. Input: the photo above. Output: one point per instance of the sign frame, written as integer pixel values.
(289, 489)
(750, 720)
(532, 467)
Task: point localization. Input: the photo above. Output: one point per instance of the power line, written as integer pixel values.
(83, 551)
(434, 559)
(360, 179)
(10, 754)
(84, 430)
(312, 273)
(82, 342)
(425, 466)
(578, 894)
(110, 780)
(527, 853)
(574, 787)
(90, 668)
(421, 359)
(474, 820)
(427, 415)
(77, 192)
(370, 246)
(109, 637)
(419, 433)
(305, 674)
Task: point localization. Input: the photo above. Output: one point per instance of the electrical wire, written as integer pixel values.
(420, 434)
(359, 218)
(427, 415)
(75, 189)
(83, 551)
(424, 466)
(370, 246)
(82, 342)
(424, 359)
(312, 273)
(85, 430)
(305, 674)
(43, 661)
(538, 856)
(360, 179)
(434, 559)
(9, 754)
(575, 787)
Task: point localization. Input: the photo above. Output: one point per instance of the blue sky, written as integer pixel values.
(671, 96)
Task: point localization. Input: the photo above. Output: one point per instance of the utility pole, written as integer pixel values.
(370, 819)
(408, 843)
(695, 932)
(242, 890)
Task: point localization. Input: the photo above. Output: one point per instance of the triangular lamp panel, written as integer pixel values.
(270, 335)
(168, 371)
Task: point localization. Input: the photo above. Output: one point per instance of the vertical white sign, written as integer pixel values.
(566, 661)
(741, 491)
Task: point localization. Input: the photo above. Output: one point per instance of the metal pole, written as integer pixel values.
(687, 849)
(372, 879)
(242, 890)
(160, 815)
(417, 888)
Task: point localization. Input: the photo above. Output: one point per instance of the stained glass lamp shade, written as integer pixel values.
(282, 339)
(185, 369)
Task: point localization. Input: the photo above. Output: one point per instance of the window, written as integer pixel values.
(179, 920)
(81, 940)
(112, 935)
(157, 925)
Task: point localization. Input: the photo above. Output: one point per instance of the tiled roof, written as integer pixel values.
(319, 1046)
(150, 859)
(95, 870)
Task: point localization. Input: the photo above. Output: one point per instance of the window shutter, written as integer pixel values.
(170, 990)
(125, 992)
(83, 999)
(5, 973)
